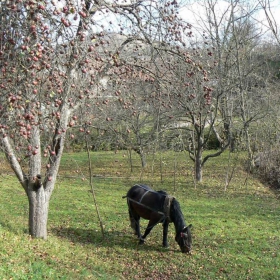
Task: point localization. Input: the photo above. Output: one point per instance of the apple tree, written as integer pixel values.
(56, 58)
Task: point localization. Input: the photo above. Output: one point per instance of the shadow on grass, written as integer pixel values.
(123, 239)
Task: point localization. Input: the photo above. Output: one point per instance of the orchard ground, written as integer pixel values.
(235, 232)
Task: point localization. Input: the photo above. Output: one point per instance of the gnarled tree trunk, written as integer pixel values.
(38, 212)
(38, 198)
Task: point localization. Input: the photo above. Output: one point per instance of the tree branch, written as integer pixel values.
(14, 163)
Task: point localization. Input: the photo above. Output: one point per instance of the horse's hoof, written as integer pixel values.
(165, 245)
(141, 241)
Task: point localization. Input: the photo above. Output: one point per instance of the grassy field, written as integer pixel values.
(236, 233)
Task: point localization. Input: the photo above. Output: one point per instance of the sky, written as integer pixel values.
(195, 13)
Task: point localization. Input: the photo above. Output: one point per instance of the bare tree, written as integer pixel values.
(134, 121)
(240, 90)
(194, 102)
(270, 14)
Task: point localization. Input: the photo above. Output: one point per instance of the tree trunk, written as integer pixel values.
(251, 162)
(142, 155)
(198, 160)
(38, 212)
(198, 167)
(143, 158)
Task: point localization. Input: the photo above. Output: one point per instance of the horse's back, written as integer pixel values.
(145, 201)
(138, 190)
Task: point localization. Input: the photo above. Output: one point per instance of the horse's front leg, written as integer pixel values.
(165, 231)
(150, 226)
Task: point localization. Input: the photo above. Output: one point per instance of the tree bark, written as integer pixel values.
(141, 153)
(143, 158)
(38, 212)
(198, 166)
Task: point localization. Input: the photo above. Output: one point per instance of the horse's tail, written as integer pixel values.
(131, 217)
(132, 220)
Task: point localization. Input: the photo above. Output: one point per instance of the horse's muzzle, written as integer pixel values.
(186, 249)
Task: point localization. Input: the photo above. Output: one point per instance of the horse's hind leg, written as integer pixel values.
(135, 223)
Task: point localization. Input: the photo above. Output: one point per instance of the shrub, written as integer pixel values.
(213, 143)
(268, 167)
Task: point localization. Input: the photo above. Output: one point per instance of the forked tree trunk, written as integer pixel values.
(38, 192)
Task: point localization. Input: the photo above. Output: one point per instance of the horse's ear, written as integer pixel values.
(185, 229)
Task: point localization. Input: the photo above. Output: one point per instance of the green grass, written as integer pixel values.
(235, 233)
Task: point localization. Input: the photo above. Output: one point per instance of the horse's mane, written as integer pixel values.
(177, 216)
(162, 192)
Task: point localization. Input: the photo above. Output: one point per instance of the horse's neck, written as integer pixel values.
(177, 216)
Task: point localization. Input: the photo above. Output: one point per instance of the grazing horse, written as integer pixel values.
(157, 207)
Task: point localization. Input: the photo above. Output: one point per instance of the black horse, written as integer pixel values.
(157, 207)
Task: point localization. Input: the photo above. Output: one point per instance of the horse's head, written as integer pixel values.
(184, 239)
